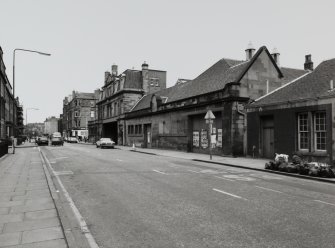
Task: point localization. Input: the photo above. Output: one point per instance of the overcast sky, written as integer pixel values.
(183, 37)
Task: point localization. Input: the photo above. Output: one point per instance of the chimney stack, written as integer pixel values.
(249, 52)
(145, 77)
(106, 76)
(114, 70)
(308, 65)
(275, 55)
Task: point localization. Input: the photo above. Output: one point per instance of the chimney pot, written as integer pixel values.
(114, 70)
(275, 55)
(145, 66)
(249, 52)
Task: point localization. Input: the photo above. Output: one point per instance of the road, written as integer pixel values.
(131, 199)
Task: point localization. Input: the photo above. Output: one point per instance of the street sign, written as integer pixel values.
(209, 121)
(209, 115)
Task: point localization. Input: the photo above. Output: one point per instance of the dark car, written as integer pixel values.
(42, 141)
(57, 141)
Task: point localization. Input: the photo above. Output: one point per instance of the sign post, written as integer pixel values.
(209, 117)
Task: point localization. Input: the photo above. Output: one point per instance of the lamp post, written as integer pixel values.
(27, 114)
(24, 50)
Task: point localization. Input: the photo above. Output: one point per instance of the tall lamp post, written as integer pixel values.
(24, 50)
(27, 113)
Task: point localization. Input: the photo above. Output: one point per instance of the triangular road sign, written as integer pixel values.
(209, 115)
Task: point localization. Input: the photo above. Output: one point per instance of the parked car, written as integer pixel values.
(105, 142)
(42, 141)
(72, 140)
(57, 141)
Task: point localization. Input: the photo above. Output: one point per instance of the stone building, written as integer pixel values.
(297, 118)
(78, 110)
(50, 125)
(173, 118)
(119, 95)
(8, 105)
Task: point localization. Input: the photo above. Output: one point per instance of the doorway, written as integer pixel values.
(147, 135)
(268, 137)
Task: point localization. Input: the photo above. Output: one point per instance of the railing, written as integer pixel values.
(3, 147)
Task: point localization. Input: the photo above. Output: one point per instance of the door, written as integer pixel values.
(147, 135)
(268, 138)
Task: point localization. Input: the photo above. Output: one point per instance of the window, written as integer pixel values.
(320, 131)
(303, 138)
(138, 129)
(76, 113)
(130, 129)
(312, 131)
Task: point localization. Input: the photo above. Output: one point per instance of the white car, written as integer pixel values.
(105, 142)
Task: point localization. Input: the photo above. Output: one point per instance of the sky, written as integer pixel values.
(183, 37)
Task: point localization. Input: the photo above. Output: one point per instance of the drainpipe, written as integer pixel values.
(245, 129)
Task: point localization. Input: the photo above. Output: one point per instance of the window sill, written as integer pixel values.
(314, 153)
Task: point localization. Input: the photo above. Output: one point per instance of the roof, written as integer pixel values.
(315, 84)
(85, 95)
(215, 78)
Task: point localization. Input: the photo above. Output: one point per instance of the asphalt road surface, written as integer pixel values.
(130, 199)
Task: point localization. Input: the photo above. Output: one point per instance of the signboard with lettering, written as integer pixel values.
(204, 139)
(196, 138)
(219, 141)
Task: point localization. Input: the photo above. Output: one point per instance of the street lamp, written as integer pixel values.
(25, 50)
(27, 114)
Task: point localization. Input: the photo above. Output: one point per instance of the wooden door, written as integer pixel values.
(268, 148)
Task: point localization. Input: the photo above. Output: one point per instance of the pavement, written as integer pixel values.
(28, 217)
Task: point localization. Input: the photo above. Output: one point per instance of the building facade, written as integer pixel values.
(119, 95)
(173, 118)
(8, 105)
(78, 110)
(50, 125)
(298, 118)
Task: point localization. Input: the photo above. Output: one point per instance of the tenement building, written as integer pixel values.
(78, 110)
(8, 105)
(173, 118)
(119, 94)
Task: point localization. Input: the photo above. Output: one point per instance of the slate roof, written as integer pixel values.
(315, 84)
(84, 95)
(213, 79)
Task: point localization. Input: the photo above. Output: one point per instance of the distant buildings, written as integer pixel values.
(11, 115)
(78, 110)
(51, 125)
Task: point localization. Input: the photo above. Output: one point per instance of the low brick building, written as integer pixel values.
(173, 118)
(297, 118)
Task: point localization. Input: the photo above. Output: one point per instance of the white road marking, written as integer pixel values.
(119, 160)
(225, 178)
(160, 172)
(194, 171)
(83, 226)
(325, 202)
(269, 189)
(61, 157)
(226, 193)
(240, 178)
(173, 166)
(59, 173)
(209, 171)
(53, 162)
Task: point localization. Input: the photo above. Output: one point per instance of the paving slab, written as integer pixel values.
(32, 207)
(42, 214)
(4, 211)
(10, 239)
(6, 218)
(42, 235)
(30, 225)
(10, 203)
(57, 243)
